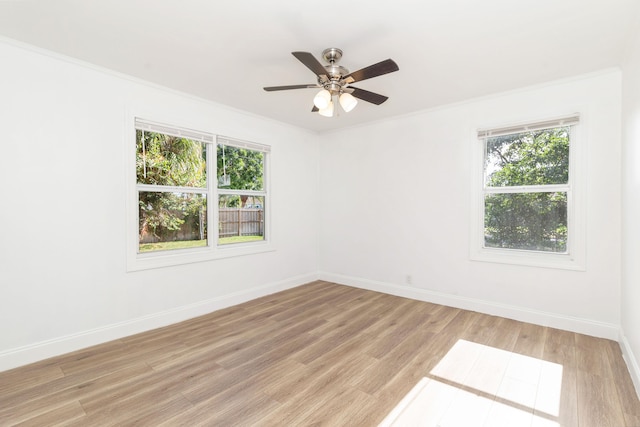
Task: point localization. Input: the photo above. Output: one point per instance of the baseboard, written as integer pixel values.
(43, 350)
(631, 361)
(554, 320)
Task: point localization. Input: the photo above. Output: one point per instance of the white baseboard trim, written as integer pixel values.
(568, 323)
(631, 361)
(20, 356)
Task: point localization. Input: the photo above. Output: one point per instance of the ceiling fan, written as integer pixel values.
(335, 81)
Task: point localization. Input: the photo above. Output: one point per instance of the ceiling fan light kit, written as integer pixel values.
(334, 81)
(348, 102)
(322, 99)
(328, 111)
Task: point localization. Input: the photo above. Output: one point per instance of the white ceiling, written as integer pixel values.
(447, 50)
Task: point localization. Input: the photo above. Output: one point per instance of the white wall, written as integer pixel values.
(395, 201)
(631, 209)
(63, 278)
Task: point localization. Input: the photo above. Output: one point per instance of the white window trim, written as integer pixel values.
(143, 261)
(575, 257)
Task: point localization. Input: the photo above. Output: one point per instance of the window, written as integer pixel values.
(176, 194)
(241, 193)
(171, 178)
(527, 209)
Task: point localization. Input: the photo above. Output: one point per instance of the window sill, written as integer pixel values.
(149, 261)
(529, 258)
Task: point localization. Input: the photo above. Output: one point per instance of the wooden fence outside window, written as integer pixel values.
(241, 222)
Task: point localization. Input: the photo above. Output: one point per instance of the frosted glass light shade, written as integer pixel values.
(322, 99)
(328, 111)
(348, 102)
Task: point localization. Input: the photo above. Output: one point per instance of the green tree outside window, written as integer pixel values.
(532, 216)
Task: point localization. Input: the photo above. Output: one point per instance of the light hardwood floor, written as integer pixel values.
(325, 354)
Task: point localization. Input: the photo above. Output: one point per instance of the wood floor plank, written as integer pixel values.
(592, 355)
(598, 403)
(343, 332)
(352, 407)
(51, 396)
(327, 398)
(399, 332)
(531, 340)
(15, 380)
(559, 348)
(505, 336)
(441, 316)
(443, 341)
(327, 354)
(148, 408)
(398, 357)
(227, 378)
(243, 412)
(569, 413)
(405, 379)
(632, 420)
(68, 412)
(323, 369)
(307, 306)
(624, 385)
(393, 310)
(264, 344)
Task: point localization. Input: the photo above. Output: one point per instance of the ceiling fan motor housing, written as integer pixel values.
(332, 55)
(335, 72)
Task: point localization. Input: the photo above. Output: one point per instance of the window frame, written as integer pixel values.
(575, 256)
(137, 260)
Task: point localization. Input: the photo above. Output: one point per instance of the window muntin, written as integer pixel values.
(526, 187)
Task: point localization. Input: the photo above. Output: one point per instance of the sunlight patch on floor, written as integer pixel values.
(477, 385)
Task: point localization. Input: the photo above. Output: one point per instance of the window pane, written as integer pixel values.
(528, 158)
(170, 160)
(241, 219)
(240, 168)
(171, 221)
(530, 221)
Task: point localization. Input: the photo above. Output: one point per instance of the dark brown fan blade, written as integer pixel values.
(375, 70)
(311, 63)
(365, 95)
(272, 88)
(315, 109)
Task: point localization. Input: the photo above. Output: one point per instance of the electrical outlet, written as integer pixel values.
(408, 280)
